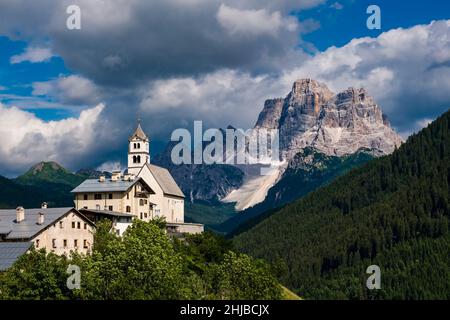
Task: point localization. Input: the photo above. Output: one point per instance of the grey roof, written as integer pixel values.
(10, 252)
(27, 228)
(94, 185)
(139, 133)
(165, 180)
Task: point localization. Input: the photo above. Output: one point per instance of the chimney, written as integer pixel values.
(44, 205)
(126, 177)
(40, 218)
(101, 178)
(115, 175)
(20, 214)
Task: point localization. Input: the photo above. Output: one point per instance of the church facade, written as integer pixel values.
(144, 191)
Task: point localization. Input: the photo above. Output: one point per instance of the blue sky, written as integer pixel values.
(340, 26)
(78, 92)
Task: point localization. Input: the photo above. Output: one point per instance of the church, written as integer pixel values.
(144, 191)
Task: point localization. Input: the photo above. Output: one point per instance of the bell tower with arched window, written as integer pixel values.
(138, 150)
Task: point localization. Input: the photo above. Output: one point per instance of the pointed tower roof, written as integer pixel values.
(139, 133)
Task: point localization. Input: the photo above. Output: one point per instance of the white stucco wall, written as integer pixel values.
(172, 208)
(63, 230)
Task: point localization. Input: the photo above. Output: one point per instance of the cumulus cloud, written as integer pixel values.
(26, 139)
(72, 89)
(33, 55)
(219, 99)
(253, 22)
(110, 166)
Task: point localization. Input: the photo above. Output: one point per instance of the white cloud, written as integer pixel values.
(337, 6)
(253, 22)
(220, 98)
(33, 55)
(26, 139)
(110, 166)
(71, 89)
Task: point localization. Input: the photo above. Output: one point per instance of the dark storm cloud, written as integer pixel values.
(122, 43)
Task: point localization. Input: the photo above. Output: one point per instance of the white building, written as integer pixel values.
(144, 192)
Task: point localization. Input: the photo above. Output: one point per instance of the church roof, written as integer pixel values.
(94, 185)
(139, 133)
(165, 180)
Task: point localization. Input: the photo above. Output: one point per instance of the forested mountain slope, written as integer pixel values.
(392, 212)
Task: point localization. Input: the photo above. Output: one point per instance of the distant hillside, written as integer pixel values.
(45, 181)
(307, 171)
(12, 195)
(49, 172)
(393, 212)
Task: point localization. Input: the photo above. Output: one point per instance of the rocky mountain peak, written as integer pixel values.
(311, 115)
(309, 87)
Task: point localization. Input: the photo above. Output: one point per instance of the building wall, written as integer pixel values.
(64, 230)
(170, 207)
(119, 202)
(192, 228)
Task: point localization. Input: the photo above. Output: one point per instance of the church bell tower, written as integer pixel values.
(138, 150)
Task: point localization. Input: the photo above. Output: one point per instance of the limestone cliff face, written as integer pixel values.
(335, 124)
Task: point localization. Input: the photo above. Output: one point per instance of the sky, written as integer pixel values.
(73, 96)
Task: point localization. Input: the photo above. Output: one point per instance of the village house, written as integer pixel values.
(58, 230)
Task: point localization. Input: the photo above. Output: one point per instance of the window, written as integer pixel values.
(110, 208)
(54, 243)
(138, 159)
(75, 243)
(85, 197)
(141, 215)
(139, 145)
(134, 159)
(65, 243)
(145, 215)
(110, 196)
(85, 226)
(141, 202)
(73, 224)
(37, 243)
(85, 244)
(98, 196)
(128, 196)
(85, 207)
(128, 209)
(61, 224)
(97, 207)
(78, 225)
